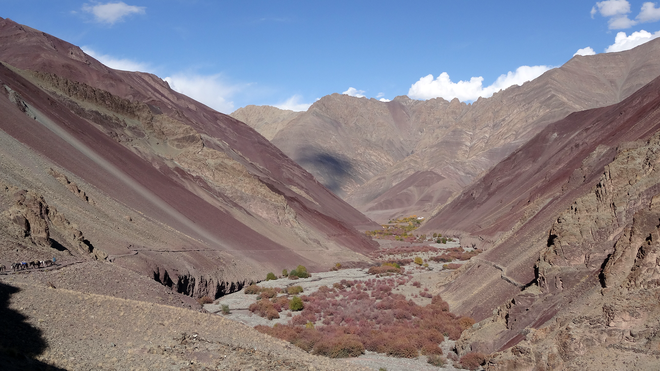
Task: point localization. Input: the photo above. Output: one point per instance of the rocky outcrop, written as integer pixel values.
(31, 220)
(592, 302)
(71, 186)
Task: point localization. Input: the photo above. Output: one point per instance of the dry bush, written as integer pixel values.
(452, 266)
(294, 290)
(436, 360)
(264, 308)
(252, 290)
(281, 302)
(205, 300)
(343, 346)
(383, 269)
(430, 348)
(472, 361)
(466, 322)
(374, 317)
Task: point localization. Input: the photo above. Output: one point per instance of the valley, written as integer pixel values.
(516, 232)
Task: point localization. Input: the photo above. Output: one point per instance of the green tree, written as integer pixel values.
(296, 304)
(270, 276)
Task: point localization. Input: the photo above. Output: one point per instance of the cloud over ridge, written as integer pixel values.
(442, 87)
(111, 13)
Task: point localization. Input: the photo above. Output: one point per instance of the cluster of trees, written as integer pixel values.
(299, 272)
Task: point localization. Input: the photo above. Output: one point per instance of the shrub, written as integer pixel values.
(270, 276)
(402, 349)
(294, 290)
(225, 309)
(205, 300)
(466, 322)
(268, 293)
(384, 269)
(252, 290)
(300, 272)
(436, 360)
(296, 304)
(430, 348)
(285, 273)
(264, 308)
(418, 260)
(343, 346)
(472, 361)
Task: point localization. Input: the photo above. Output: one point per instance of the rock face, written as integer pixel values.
(570, 223)
(362, 149)
(160, 183)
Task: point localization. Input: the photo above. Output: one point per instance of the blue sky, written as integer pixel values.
(229, 54)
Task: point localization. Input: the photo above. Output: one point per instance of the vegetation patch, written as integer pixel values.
(354, 316)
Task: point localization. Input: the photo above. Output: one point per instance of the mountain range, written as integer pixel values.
(392, 159)
(131, 186)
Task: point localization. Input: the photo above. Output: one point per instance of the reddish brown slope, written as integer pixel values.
(241, 206)
(512, 209)
(362, 148)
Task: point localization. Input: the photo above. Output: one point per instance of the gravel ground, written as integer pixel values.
(52, 328)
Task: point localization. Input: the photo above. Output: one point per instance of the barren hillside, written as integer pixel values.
(569, 222)
(116, 165)
(380, 156)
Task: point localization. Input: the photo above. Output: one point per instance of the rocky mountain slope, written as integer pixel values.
(106, 164)
(569, 222)
(411, 157)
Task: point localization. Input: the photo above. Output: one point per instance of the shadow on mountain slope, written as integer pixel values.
(20, 342)
(331, 169)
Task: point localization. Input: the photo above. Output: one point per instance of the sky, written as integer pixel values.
(288, 54)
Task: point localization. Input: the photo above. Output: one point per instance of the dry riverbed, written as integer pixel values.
(420, 279)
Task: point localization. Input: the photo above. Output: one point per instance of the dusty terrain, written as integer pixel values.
(46, 327)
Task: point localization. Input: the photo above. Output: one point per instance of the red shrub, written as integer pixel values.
(402, 349)
(430, 348)
(339, 347)
(466, 322)
(472, 361)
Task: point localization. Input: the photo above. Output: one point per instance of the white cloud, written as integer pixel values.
(649, 13)
(294, 104)
(611, 8)
(585, 51)
(380, 97)
(354, 92)
(620, 23)
(111, 13)
(623, 42)
(428, 88)
(617, 10)
(116, 63)
(210, 90)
